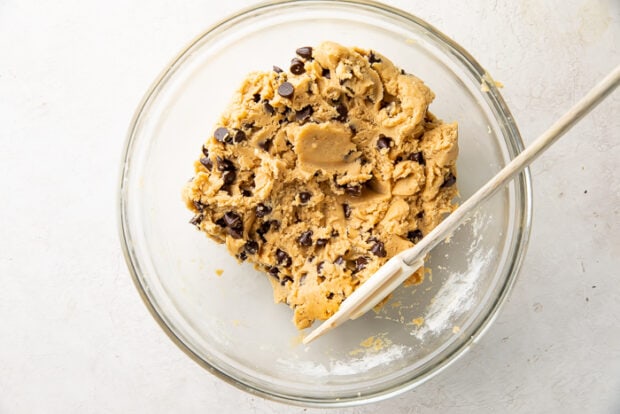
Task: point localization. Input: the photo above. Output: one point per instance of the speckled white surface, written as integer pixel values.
(74, 334)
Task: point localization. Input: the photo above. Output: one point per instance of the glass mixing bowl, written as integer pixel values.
(229, 323)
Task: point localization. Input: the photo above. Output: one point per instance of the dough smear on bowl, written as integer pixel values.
(319, 174)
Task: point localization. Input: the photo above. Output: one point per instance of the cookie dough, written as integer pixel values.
(318, 175)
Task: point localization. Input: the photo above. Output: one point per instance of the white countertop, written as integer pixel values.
(74, 334)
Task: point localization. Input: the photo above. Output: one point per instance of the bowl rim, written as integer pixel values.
(524, 189)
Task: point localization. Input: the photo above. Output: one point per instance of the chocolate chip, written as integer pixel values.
(229, 177)
(207, 163)
(335, 233)
(242, 256)
(277, 69)
(420, 214)
(205, 151)
(268, 108)
(321, 242)
(198, 205)
(196, 220)
(354, 190)
(319, 267)
(326, 74)
(339, 260)
(286, 279)
(360, 263)
(384, 142)
(224, 164)
(417, 157)
(305, 52)
(402, 71)
(449, 181)
(304, 197)
(304, 113)
(233, 220)
(283, 258)
(235, 233)
(266, 144)
(342, 112)
(256, 97)
(251, 247)
(238, 136)
(415, 236)
(220, 222)
(273, 271)
(297, 66)
(372, 58)
(378, 249)
(262, 210)
(347, 210)
(330, 295)
(286, 90)
(246, 193)
(305, 239)
(221, 134)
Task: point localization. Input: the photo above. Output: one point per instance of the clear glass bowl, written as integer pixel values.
(229, 324)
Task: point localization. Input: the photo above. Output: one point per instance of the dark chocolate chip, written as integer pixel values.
(326, 74)
(198, 205)
(196, 220)
(305, 52)
(305, 239)
(238, 136)
(339, 260)
(221, 134)
(224, 164)
(256, 97)
(321, 242)
(297, 66)
(347, 210)
(330, 295)
(233, 220)
(372, 58)
(304, 113)
(242, 256)
(262, 210)
(378, 249)
(415, 236)
(283, 258)
(342, 112)
(277, 69)
(246, 193)
(417, 157)
(268, 108)
(235, 233)
(205, 151)
(354, 190)
(335, 233)
(420, 214)
(220, 222)
(449, 181)
(304, 197)
(251, 247)
(266, 144)
(286, 90)
(229, 177)
(402, 71)
(273, 271)
(286, 279)
(360, 263)
(207, 163)
(384, 142)
(319, 267)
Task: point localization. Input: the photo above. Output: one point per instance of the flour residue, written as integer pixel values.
(457, 296)
(361, 362)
